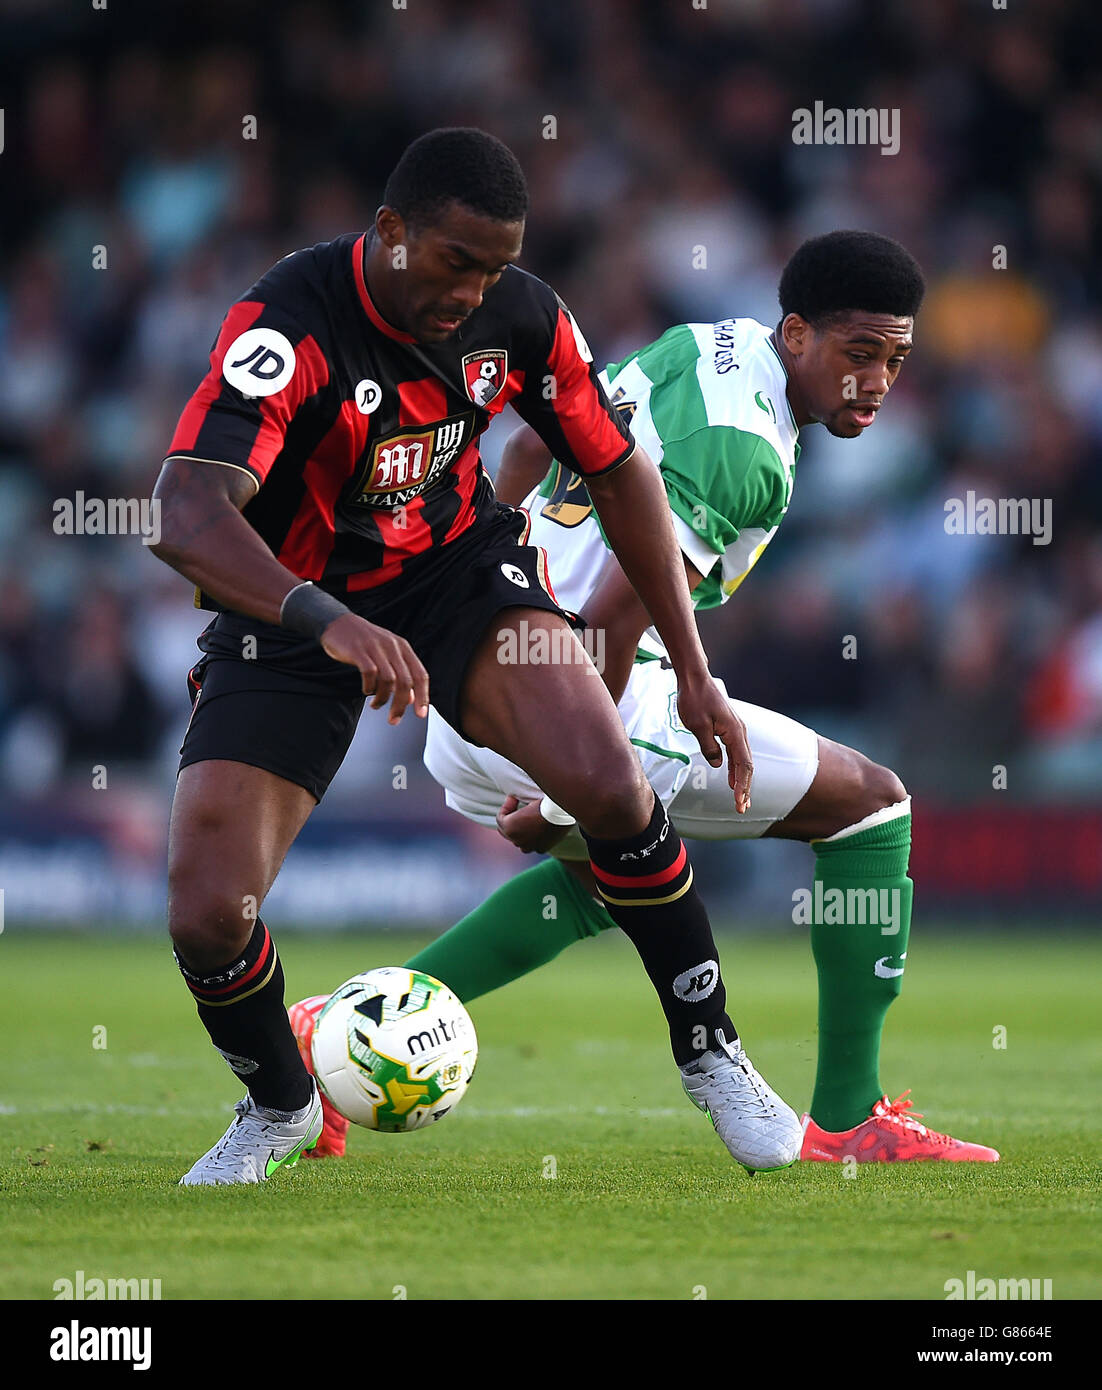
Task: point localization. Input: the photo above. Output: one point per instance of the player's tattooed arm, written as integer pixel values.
(205, 538)
(524, 463)
(615, 610)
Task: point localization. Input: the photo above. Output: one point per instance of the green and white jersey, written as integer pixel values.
(708, 404)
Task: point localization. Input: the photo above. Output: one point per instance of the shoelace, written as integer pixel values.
(243, 1108)
(739, 1092)
(898, 1112)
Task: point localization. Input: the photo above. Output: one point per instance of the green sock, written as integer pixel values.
(859, 953)
(524, 924)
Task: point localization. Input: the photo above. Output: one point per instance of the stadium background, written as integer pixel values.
(124, 129)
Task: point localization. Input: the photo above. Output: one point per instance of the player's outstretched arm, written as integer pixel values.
(205, 538)
(616, 610)
(631, 502)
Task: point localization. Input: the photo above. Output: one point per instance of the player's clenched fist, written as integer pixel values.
(387, 663)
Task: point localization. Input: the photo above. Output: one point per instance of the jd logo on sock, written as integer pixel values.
(243, 1066)
(698, 982)
(883, 971)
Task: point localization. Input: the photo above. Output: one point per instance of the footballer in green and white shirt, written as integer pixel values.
(708, 403)
(719, 408)
(709, 400)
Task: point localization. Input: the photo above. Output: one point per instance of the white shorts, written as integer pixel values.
(700, 803)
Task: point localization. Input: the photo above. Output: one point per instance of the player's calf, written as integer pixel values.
(646, 883)
(241, 1006)
(857, 816)
(232, 824)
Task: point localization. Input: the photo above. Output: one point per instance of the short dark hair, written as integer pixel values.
(844, 272)
(457, 164)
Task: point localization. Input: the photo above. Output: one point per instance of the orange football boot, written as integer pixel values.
(889, 1135)
(334, 1133)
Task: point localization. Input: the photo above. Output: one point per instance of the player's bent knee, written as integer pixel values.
(858, 788)
(883, 787)
(873, 787)
(614, 802)
(209, 927)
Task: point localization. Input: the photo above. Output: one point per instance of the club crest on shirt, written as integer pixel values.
(484, 374)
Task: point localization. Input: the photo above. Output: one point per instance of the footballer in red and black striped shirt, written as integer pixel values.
(362, 438)
(324, 491)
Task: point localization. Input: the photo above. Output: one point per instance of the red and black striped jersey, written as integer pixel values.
(364, 442)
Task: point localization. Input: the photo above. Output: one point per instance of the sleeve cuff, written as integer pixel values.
(628, 450)
(694, 546)
(245, 468)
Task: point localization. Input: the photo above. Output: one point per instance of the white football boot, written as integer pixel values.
(760, 1131)
(256, 1144)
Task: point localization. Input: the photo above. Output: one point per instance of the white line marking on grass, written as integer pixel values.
(526, 1112)
(519, 1112)
(91, 1108)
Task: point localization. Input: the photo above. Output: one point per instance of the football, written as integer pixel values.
(394, 1050)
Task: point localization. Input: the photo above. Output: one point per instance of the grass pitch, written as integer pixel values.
(575, 1167)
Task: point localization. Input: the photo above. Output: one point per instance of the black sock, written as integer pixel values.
(241, 1006)
(647, 885)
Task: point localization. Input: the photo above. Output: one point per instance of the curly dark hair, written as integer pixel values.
(843, 272)
(457, 164)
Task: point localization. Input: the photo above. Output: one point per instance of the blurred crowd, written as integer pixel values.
(135, 209)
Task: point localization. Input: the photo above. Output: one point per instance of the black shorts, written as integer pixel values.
(280, 703)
